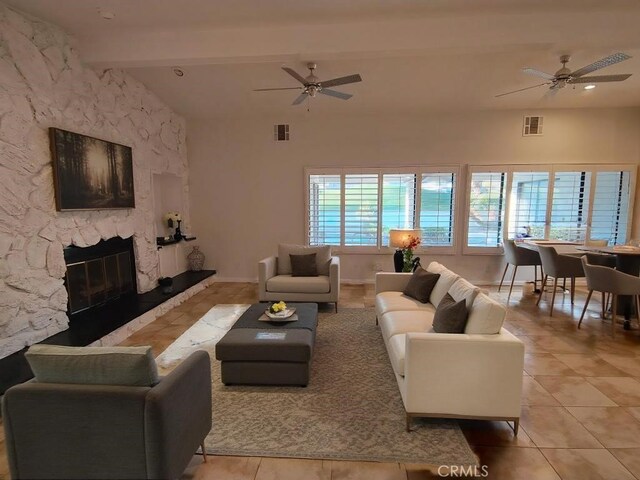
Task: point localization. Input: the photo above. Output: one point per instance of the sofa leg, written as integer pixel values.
(516, 426)
(377, 320)
(336, 307)
(408, 422)
(204, 452)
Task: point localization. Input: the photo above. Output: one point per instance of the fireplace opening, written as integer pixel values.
(99, 274)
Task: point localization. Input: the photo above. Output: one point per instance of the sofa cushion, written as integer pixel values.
(397, 347)
(447, 277)
(421, 284)
(463, 290)
(486, 316)
(450, 316)
(323, 257)
(303, 265)
(394, 323)
(393, 301)
(127, 366)
(289, 284)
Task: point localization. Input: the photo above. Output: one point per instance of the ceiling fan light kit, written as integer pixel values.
(312, 85)
(565, 76)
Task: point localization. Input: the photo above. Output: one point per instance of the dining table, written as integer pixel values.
(627, 261)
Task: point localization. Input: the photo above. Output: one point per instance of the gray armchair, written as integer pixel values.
(275, 281)
(100, 431)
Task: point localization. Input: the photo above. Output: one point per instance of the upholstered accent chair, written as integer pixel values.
(520, 257)
(277, 281)
(88, 431)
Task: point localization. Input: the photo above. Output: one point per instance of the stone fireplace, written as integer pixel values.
(99, 274)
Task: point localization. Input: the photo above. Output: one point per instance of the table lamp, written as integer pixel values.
(399, 238)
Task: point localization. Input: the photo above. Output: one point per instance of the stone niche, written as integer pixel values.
(43, 83)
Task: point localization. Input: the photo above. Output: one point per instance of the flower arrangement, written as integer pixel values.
(278, 307)
(171, 217)
(407, 252)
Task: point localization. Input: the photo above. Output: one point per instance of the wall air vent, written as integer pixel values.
(281, 133)
(532, 126)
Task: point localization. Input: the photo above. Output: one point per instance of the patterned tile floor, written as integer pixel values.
(580, 404)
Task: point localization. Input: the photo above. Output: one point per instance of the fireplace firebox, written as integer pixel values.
(99, 274)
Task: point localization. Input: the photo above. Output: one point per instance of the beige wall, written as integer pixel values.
(247, 191)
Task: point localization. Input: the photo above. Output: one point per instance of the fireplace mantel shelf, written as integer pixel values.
(14, 368)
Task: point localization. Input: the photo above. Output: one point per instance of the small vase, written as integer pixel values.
(196, 259)
(178, 234)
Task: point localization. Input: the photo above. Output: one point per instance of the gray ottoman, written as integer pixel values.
(265, 353)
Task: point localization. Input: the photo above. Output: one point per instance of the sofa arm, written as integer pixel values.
(460, 374)
(334, 277)
(267, 268)
(391, 282)
(178, 416)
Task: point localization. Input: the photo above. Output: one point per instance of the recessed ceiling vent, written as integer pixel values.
(532, 126)
(281, 132)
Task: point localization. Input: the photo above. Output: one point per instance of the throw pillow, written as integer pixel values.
(421, 284)
(450, 316)
(129, 366)
(304, 265)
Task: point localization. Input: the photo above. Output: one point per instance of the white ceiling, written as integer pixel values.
(413, 55)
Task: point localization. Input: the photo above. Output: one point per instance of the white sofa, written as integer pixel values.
(476, 374)
(276, 283)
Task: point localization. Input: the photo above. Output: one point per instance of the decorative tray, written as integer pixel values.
(280, 316)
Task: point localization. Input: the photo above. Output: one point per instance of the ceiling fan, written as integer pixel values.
(564, 76)
(311, 85)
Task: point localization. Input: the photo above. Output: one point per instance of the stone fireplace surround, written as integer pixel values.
(43, 83)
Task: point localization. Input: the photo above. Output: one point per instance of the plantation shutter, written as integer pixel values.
(528, 210)
(486, 209)
(361, 209)
(437, 201)
(570, 206)
(610, 212)
(324, 209)
(398, 203)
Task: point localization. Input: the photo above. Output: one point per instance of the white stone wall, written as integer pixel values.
(43, 84)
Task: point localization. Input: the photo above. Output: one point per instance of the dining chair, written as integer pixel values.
(611, 281)
(558, 266)
(520, 257)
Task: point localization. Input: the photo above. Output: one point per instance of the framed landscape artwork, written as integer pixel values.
(90, 174)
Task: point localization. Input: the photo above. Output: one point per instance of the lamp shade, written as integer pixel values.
(400, 238)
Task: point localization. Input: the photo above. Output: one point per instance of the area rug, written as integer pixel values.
(351, 409)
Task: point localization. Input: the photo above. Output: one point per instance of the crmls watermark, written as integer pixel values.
(461, 471)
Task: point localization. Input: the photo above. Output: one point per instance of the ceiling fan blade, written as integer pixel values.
(551, 92)
(300, 99)
(603, 62)
(272, 89)
(336, 94)
(537, 73)
(295, 75)
(601, 78)
(522, 89)
(341, 81)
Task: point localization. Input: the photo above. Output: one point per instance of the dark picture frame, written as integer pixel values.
(90, 173)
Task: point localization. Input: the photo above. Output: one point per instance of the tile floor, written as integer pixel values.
(580, 404)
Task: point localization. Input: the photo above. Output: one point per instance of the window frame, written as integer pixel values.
(380, 171)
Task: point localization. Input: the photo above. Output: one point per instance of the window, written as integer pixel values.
(562, 202)
(610, 215)
(437, 205)
(361, 210)
(398, 202)
(570, 206)
(528, 213)
(357, 209)
(324, 209)
(486, 209)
